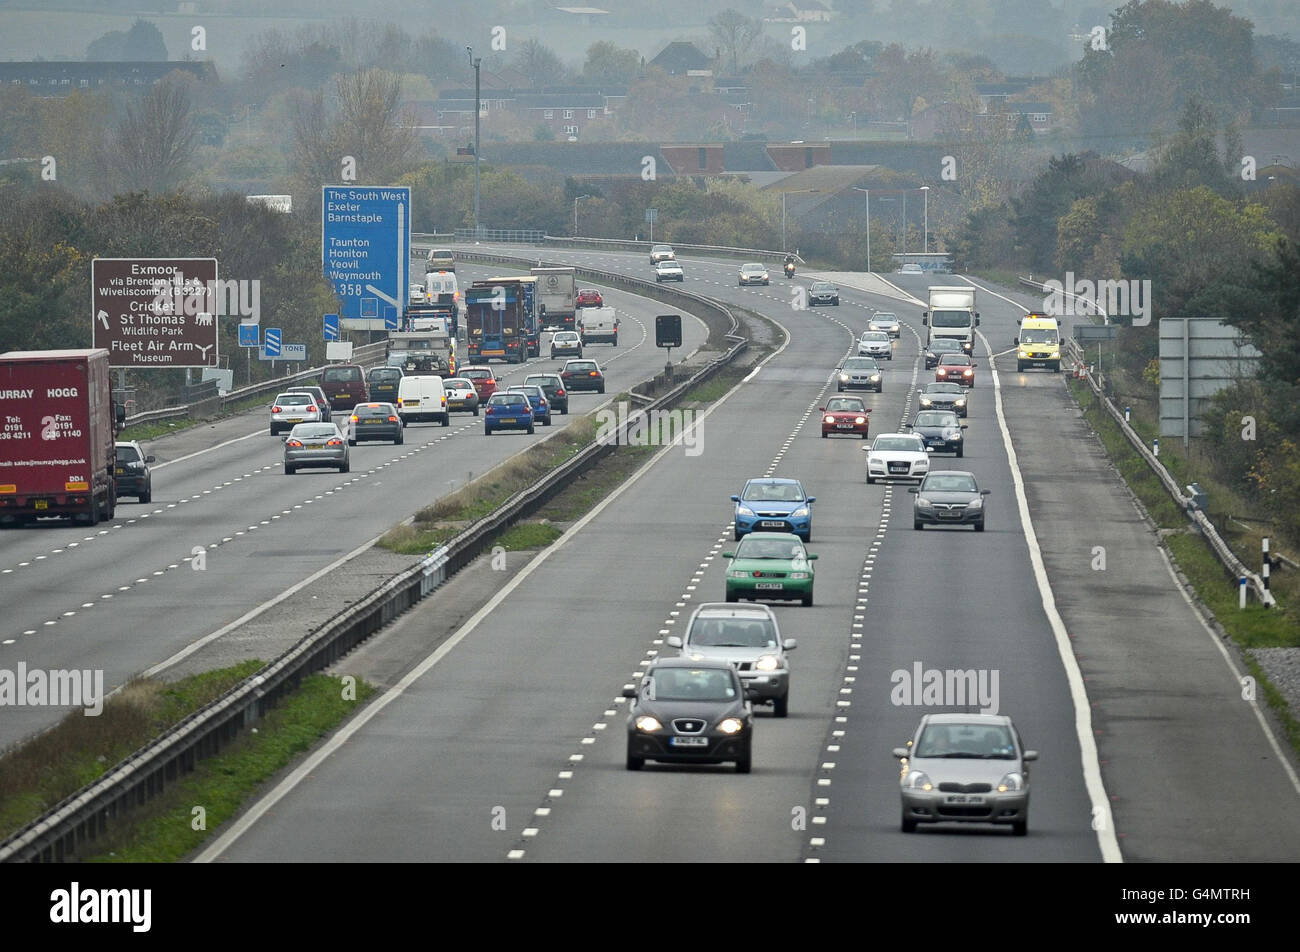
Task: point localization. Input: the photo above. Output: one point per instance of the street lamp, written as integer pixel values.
(476, 62)
(867, 194)
(925, 190)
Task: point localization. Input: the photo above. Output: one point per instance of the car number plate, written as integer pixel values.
(770, 585)
(963, 798)
(772, 524)
(374, 421)
(690, 742)
(844, 426)
(315, 446)
(295, 419)
(42, 504)
(345, 394)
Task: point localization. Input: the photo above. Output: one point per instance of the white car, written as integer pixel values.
(886, 321)
(897, 456)
(876, 344)
(566, 344)
(290, 409)
(668, 271)
(661, 253)
(910, 269)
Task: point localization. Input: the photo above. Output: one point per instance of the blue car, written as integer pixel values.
(774, 504)
(537, 399)
(507, 411)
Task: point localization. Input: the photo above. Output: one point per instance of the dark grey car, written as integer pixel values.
(374, 421)
(556, 393)
(687, 711)
(940, 345)
(948, 498)
(859, 373)
(941, 430)
(946, 396)
(748, 638)
(315, 444)
(131, 472)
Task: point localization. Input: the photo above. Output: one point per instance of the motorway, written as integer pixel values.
(123, 596)
(507, 742)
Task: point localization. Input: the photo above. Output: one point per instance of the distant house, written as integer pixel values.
(583, 16)
(805, 11)
(49, 79)
(683, 59)
(1038, 114)
(563, 113)
(565, 110)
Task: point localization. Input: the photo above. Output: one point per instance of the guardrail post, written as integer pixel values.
(1241, 589)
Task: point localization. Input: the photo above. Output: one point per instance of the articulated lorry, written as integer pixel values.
(58, 427)
(952, 315)
(503, 319)
(559, 294)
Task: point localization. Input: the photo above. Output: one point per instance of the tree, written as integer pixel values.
(1191, 157)
(539, 63)
(607, 63)
(368, 131)
(107, 48)
(144, 43)
(154, 141)
(734, 34)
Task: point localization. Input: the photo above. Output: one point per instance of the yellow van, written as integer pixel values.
(1039, 343)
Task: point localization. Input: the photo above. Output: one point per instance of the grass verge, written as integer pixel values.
(152, 431)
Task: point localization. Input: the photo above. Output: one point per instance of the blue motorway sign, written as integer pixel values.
(273, 342)
(331, 327)
(366, 249)
(248, 335)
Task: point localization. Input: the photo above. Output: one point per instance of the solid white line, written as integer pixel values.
(181, 459)
(245, 822)
(1106, 838)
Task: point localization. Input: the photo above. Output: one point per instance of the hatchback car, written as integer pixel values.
(823, 292)
(955, 368)
(911, 269)
(461, 395)
(484, 381)
(131, 472)
(886, 321)
(859, 373)
(897, 456)
(507, 411)
(440, 259)
(583, 375)
(938, 346)
(770, 565)
(688, 711)
(566, 344)
(965, 768)
(554, 389)
(669, 271)
(588, 297)
(290, 409)
(374, 421)
(948, 498)
(748, 638)
(773, 504)
(321, 399)
(876, 344)
(382, 383)
(941, 430)
(315, 444)
(847, 415)
(754, 273)
(946, 396)
(537, 400)
(661, 253)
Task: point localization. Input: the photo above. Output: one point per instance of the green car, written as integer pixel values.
(770, 565)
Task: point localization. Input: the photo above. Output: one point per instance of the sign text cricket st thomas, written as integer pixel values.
(155, 312)
(366, 250)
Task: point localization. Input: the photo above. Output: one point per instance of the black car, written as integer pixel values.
(583, 375)
(941, 431)
(374, 421)
(689, 712)
(131, 472)
(383, 383)
(940, 345)
(946, 396)
(948, 498)
(556, 393)
(823, 292)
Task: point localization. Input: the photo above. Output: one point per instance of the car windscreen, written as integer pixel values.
(372, 410)
(821, 286)
(313, 431)
(757, 547)
(534, 392)
(885, 316)
(753, 268)
(692, 684)
(944, 388)
(908, 444)
(875, 335)
(956, 360)
(969, 741)
(457, 383)
(385, 375)
(128, 454)
(507, 400)
(950, 319)
(733, 633)
(772, 492)
(1040, 335)
(478, 374)
(942, 345)
(341, 374)
(858, 363)
(295, 399)
(935, 418)
(844, 405)
(547, 382)
(949, 483)
(584, 368)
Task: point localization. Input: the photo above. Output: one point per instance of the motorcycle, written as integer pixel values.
(789, 269)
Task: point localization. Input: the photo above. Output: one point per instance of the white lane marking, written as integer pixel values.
(1106, 838)
(238, 439)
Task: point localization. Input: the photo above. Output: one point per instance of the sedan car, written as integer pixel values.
(315, 444)
(749, 639)
(955, 368)
(896, 456)
(886, 321)
(662, 253)
(461, 395)
(770, 565)
(753, 273)
(554, 389)
(773, 504)
(946, 396)
(507, 411)
(131, 472)
(669, 270)
(483, 379)
(290, 409)
(859, 373)
(823, 292)
(537, 400)
(846, 415)
(948, 498)
(876, 344)
(965, 768)
(588, 297)
(941, 431)
(940, 345)
(583, 375)
(687, 711)
(566, 344)
(374, 421)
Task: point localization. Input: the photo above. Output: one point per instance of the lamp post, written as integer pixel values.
(476, 62)
(925, 191)
(867, 194)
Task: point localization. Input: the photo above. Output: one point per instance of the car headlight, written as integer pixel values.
(1056, 355)
(922, 502)
(799, 575)
(648, 724)
(737, 573)
(875, 377)
(960, 401)
(976, 503)
(799, 513)
(1011, 783)
(926, 401)
(844, 376)
(731, 725)
(744, 511)
(767, 663)
(828, 419)
(952, 434)
(917, 780)
(860, 420)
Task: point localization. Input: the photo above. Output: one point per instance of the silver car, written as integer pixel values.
(753, 273)
(749, 638)
(965, 768)
(315, 444)
(876, 344)
(290, 409)
(886, 321)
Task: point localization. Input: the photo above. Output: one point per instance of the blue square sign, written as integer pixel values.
(331, 327)
(273, 340)
(248, 335)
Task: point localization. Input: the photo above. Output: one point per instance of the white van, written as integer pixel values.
(422, 398)
(441, 287)
(599, 325)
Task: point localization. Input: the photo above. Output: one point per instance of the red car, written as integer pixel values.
(483, 379)
(589, 297)
(955, 368)
(846, 415)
